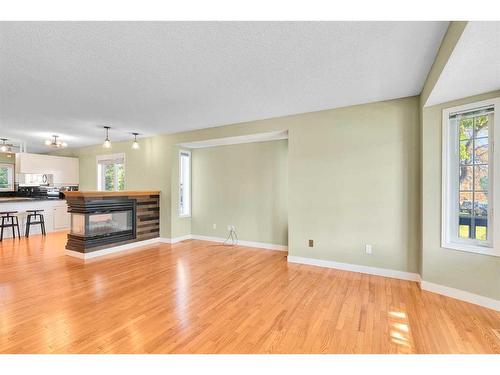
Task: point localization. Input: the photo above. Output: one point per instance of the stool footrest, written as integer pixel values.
(35, 217)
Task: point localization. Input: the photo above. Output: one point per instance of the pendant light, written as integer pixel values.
(135, 144)
(107, 143)
(4, 146)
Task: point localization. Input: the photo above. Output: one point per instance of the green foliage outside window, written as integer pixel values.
(109, 177)
(4, 178)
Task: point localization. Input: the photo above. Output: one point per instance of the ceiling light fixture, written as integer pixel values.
(4, 146)
(135, 144)
(107, 143)
(55, 142)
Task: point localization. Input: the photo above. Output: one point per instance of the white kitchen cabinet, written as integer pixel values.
(55, 213)
(64, 169)
(31, 163)
(62, 218)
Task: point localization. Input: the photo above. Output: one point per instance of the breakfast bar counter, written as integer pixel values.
(55, 212)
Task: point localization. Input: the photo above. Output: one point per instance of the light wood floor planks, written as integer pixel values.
(199, 297)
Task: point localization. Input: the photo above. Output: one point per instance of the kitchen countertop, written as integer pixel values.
(27, 199)
(122, 193)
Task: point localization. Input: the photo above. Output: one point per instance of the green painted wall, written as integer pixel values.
(244, 185)
(450, 40)
(475, 273)
(367, 174)
(352, 180)
(145, 169)
(471, 272)
(4, 159)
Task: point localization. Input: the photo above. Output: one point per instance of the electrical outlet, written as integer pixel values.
(214, 226)
(311, 243)
(368, 249)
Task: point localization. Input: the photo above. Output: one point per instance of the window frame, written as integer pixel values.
(12, 182)
(99, 171)
(450, 190)
(188, 214)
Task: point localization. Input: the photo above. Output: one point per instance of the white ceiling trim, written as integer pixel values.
(250, 138)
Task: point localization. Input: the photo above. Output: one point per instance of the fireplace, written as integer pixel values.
(103, 222)
(100, 222)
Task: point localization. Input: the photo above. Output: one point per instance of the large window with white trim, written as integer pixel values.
(6, 177)
(469, 162)
(111, 172)
(184, 183)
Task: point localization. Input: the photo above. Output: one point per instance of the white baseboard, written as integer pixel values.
(410, 276)
(424, 285)
(111, 250)
(356, 268)
(181, 238)
(260, 245)
(461, 295)
(175, 239)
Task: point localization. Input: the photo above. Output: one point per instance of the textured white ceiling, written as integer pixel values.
(474, 65)
(70, 78)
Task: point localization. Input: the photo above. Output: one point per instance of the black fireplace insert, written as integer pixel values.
(102, 222)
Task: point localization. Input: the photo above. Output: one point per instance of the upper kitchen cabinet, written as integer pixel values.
(64, 169)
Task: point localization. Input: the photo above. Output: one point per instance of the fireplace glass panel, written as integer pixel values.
(109, 223)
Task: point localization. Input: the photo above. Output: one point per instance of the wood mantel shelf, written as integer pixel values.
(123, 193)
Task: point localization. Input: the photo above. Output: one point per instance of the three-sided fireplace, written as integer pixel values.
(101, 222)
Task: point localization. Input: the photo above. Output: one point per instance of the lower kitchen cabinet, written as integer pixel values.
(55, 213)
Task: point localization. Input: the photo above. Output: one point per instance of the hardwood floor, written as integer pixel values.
(199, 297)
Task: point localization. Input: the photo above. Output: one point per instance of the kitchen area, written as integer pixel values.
(29, 182)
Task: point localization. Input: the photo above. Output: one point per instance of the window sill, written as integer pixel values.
(184, 216)
(484, 250)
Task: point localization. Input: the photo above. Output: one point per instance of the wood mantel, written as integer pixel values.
(123, 193)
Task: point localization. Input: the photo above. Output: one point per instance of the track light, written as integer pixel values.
(135, 144)
(107, 142)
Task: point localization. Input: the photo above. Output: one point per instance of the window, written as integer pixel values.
(111, 172)
(469, 160)
(184, 183)
(6, 177)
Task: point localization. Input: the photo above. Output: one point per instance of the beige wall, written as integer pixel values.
(243, 185)
(471, 272)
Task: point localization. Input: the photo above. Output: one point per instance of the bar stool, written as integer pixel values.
(12, 222)
(31, 219)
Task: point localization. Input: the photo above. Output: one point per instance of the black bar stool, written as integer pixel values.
(12, 222)
(31, 219)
